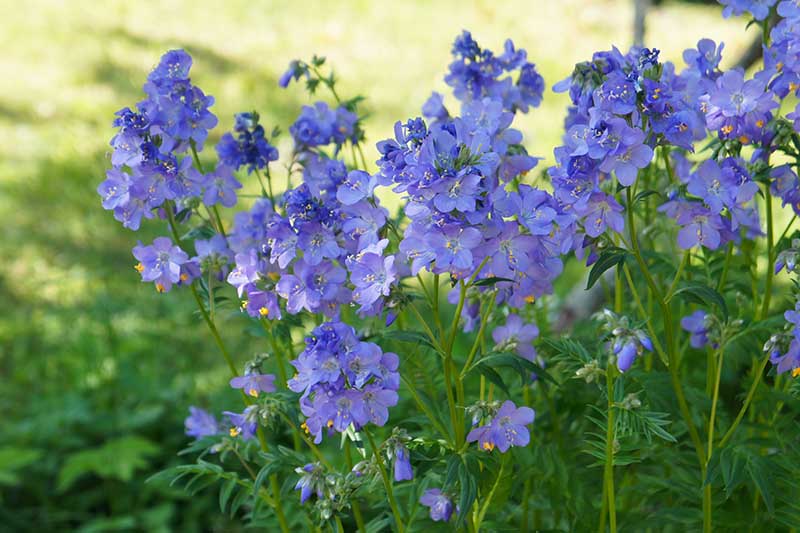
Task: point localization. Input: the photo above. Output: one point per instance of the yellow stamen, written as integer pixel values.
(139, 268)
(760, 123)
(727, 129)
(184, 277)
(796, 372)
(234, 432)
(304, 427)
(263, 311)
(330, 423)
(160, 287)
(253, 393)
(488, 446)
(530, 299)
(744, 139)
(244, 305)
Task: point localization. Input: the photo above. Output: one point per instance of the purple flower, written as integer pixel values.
(517, 336)
(441, 507)
(243, 424)
(221, 187)
(200, 423)
(312, 481)
(343, 380)
(758, 8)
(601, 212)
(250, 146)
(161, 263)
(372, 275)
(214, 255)
(434, 109)
(627, 161)
(453, 247)
(734, 96)
(715, 187)
(318, 242)
(402, 464)
(700, 226)
(696, 324)
(460, 193)
(506, 429)
(374, 405)
(356, 186)
(252, 384)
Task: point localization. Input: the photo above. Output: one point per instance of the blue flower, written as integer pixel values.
(162, 263)
(244, 424)
(453, 246)
(441, 506)
(252, 384)
(696, 324)
(402, 464)
(249, 148)
(200, 423)
(507, 428)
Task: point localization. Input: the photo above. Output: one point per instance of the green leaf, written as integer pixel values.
(411, 337)
(703, 295)
(511, 360)
(225, 493)
(757, 469)
(469, 491)
(644, 194)
(116, 459)
(13, 459)
(485, 282)
(610, 257)
(492, 375)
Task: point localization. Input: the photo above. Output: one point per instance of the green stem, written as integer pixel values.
(724, 277)
(274, 486)
(770, 254)
(707, 501)
(645, 316)
(425, 408)
(747, 400)
(608, 473)
(386, 481)
(713, 417)
(488, 501)
(474, 350)
(311, 446)
(674, 284)
(449, 365)
(666, 313)
(354, 504)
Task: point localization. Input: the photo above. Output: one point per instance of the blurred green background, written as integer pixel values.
(96, 369)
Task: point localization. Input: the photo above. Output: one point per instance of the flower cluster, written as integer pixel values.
(718, 202)
(343, 380)
(468, 214)
(150, 163)
(249, 147)
(622, 107)
(319, 125)
(476, 73)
